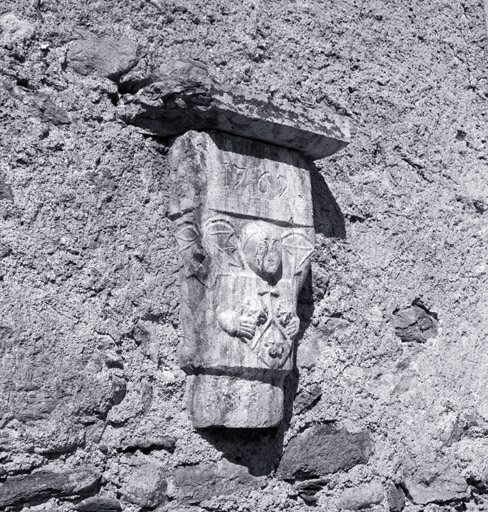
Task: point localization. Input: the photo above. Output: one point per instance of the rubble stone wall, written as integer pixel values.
(390, 407)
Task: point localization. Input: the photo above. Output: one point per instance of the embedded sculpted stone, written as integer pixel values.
(244, 227)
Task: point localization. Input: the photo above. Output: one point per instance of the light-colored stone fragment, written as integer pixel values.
(13, 29)
(361, 497)
(102, 56)
(438, 483)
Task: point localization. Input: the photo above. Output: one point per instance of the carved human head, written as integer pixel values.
(261, 247)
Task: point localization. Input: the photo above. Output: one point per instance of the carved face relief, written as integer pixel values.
(261, 247)
(246, 239)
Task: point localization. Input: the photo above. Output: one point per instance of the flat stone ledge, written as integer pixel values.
(184, 98)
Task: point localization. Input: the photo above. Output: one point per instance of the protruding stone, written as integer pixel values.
(308, 353)
(307, 398)
(204, 481)
(51, 112)
(362, 496)
(244, 227)
(186, 98)
(99, 504)
(396, 498)
(104, 57)
(414, 324)
(46, 484)
(308, 489)
(146, 486)
(322, 450)
(13, 29)
(440, 483)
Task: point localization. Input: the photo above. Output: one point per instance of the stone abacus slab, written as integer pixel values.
(184, 98)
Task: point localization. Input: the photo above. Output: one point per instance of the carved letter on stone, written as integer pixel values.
(243, 215)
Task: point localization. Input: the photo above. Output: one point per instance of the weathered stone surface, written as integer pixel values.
(86, 249)
(439, 483)
(102, 56)
(362, 496)
(307, 398)
(244, 227)
(51, 112)
(235, 402)
(146, 485)
(396, 498)
(149, 442)
(204, 481)
(44, 484)
(99, 504)
(185, 98)
(414, 324)
(321, 450)
(13, 29)
(5, 189)
(308, 351)
(308, 489)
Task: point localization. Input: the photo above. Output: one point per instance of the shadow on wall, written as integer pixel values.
(260, 450)
(328, 217)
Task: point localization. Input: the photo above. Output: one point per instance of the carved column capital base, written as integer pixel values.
(233, 402)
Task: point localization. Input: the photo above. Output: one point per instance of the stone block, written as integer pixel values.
(103, 57)
(221, 400)
(205, 481)
(244, 227)
(46, 484)
(145, 486)
(396, 498)
(99, 504)
(321, 450)
(439, 483)
(362, 496)
(185, 98)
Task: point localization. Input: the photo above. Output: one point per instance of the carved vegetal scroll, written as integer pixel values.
(244, 228)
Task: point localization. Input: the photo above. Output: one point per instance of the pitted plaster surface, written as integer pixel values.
(89, 309)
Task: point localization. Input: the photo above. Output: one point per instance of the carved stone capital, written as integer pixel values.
(242, 209)
(244, 227)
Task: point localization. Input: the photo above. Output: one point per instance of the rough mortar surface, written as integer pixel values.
(92, 410)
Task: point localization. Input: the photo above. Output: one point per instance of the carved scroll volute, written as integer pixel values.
(244, 228)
